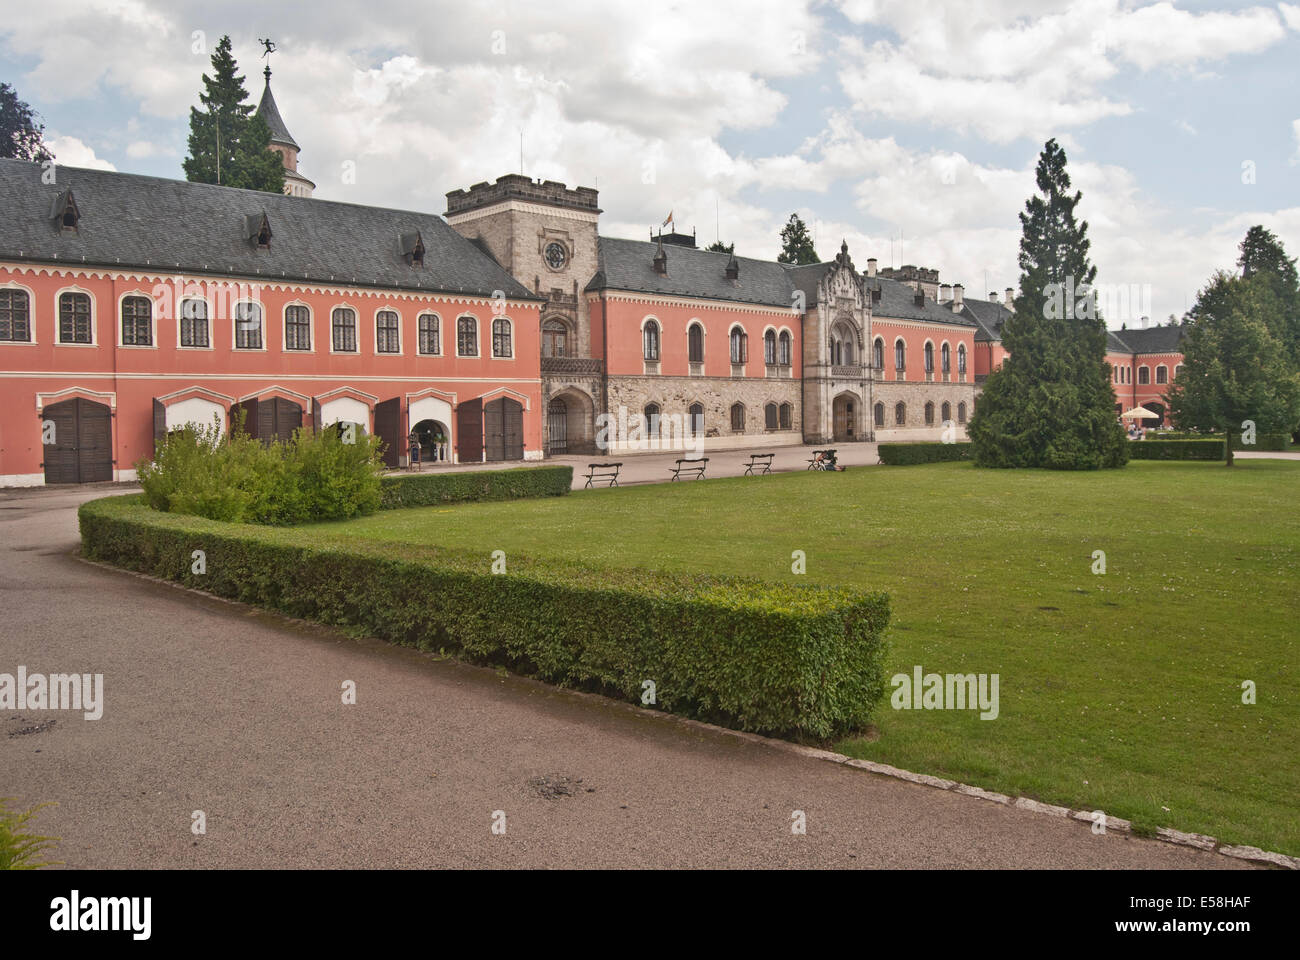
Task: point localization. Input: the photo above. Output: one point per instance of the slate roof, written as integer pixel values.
(629, 265)
(1150, 339)
(987, 316)
(271, 114)
(129, 220)
(898, 300)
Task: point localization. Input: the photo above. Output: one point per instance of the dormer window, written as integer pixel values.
(412, 248)
(257, 230)
(64, 213)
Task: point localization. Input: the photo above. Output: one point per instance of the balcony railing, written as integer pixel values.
(573, 365)
(848, 371)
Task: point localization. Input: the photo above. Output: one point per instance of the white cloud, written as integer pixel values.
(1291, 14)
(71, 152)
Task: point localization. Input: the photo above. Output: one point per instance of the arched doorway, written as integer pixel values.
(77, 442)
(434, 439)
(570, 419)
(845, 410)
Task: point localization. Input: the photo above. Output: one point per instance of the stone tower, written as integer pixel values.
(295, 184)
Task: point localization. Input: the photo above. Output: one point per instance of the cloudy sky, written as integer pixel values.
(909, 128)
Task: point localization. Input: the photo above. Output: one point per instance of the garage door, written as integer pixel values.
(82, 451)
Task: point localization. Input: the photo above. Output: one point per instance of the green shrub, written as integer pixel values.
(423, 489)
(905, 454)
(775, 658)
(1176, 449)
(1271, 442)
(235, 478)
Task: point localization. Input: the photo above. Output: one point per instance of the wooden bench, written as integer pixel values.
(689, 465)
(818, 463)
(603, 472)
(761, 461)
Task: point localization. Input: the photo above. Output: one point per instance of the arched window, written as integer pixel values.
(738, 418)
(739, 346)
(769, 348)
(929, 357)
(248, 326)
(1144, 376)
(652, 421)
(771, 416)
(650, 340)
(945, 412)
(555, 338)
(430, 328)
(900, 414)
(501, 346)
(194, 322)
(945, 358)
(695, 343)
(787, 416)
(695, 414)
(1162, 374)
(879, 412)
(1177, 370)
(961, 412)
(929, 413)
(783, 349)
(961, 359)
(74, 318)
(900, 355)
(466, 337)
(343, 322)
(388, 337)
(297, 327)
(878, 354)
(137, 319)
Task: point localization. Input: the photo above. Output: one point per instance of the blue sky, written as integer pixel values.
(871, 118)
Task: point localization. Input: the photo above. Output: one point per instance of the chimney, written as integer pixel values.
(871, 266)
(957, 292)
(945, 292)
(919, 299)
(1011, 297)
(993, 296)
(661, 259)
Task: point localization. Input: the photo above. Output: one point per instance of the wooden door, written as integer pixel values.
(82, 447)
(469, 430)
(388, 428)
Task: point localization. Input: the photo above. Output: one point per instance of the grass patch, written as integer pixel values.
(1120, 692)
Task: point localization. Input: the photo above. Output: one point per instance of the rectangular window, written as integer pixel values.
(344, 325)
(783, 348)
(137, 322)
(74, 318)
(248, 326)
(194, 323)
(297, 328)
(386, 333)
(430, 335)
(467, 337)
(786, 411)
(15, 316)
(501, 338)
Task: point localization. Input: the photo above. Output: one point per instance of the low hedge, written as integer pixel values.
(772, 658)
(905, 454)
(422, 489)
(1176, 450)
(1271, 442)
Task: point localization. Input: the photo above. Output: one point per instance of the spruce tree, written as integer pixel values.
(21, 132)
(229, 144)
(796, 244)
(1051, 403)
(1262, 255)
(717, 246)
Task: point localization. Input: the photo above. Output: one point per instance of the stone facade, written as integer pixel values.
(841, 316)
(674, 395)
(914, 396)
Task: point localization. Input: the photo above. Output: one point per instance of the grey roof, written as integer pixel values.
(987, 316)
(629, 265)
(271, 114)
(135, 221)
(1150, 339)
(898, 300)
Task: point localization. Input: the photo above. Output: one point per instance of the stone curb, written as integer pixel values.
(1198, 841)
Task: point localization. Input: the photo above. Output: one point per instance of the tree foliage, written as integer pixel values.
(22, 135)
(1262, 255)
(717, 246)
(1051, 403)
(1235, 369)
(229, 142)
(796, 244)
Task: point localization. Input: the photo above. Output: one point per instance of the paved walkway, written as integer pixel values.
(216, 707)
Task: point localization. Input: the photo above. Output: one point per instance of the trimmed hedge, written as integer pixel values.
(773, 658)
(1270, 442)
(1176, 450)
(422, 489)
(905, 454)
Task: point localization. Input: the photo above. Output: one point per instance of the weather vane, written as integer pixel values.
(268, 44)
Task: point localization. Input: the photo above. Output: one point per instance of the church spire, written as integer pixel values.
(282, 142)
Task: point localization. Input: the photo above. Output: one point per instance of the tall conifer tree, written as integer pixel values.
(1051, 403)
(796, 244)
(229, 143)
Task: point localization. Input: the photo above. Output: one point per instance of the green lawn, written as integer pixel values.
(1120, 691)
